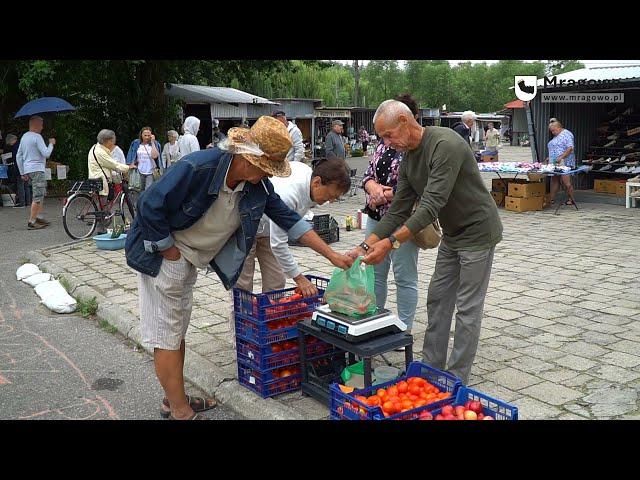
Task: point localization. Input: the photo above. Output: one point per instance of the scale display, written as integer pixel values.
(357, 329)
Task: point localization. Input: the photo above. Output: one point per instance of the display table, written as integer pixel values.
(365, 350)
(526, 169)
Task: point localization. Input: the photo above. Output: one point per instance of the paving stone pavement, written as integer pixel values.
(561, 332)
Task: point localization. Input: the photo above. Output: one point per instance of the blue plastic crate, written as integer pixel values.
(264, 307)
(345, 407)
(255, 380)
(262, 357)
(490, 406)
(259, 332)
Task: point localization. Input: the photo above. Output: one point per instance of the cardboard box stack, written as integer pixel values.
(525, 196)
(499, 190)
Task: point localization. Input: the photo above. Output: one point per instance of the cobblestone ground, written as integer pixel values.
(561, 330)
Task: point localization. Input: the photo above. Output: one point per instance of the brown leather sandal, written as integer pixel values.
(197, 404)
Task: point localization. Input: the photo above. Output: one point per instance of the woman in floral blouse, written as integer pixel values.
(380, 183)
(363, 136)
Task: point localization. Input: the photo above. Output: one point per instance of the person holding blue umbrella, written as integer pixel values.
(31, 159)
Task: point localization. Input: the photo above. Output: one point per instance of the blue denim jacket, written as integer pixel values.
(183, 195)
(133, 152)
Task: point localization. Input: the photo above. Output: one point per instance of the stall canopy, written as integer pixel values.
(202, 94)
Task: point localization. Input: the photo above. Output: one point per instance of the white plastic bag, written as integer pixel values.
(55, 297)
(37, 279)
(27, 270)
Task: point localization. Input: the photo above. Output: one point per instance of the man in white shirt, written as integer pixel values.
(305, 188)
(296, 154)
(31, 159)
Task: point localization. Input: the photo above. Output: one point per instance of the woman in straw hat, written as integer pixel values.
(206, 215)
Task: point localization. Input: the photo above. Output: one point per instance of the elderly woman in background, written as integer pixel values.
(170, 152)
(561, 152)
(379, 183)
(101, 164)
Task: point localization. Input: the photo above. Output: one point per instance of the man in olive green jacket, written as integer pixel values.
(439, 169)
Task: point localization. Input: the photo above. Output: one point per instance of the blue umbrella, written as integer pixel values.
(44, 105)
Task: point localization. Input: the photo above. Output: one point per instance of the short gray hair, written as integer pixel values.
(468, 114)
(172, 133)
(106, 135)
(391, 109)
(556, 123)
(10, 137)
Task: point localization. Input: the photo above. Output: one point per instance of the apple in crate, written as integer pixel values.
(470, 415)
(447, 410)
(475, 406)
(425, 416)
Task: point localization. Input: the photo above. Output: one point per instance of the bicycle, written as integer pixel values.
(80, 214)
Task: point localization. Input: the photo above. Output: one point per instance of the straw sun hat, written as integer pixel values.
(264, 145)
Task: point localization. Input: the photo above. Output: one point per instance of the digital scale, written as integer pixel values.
(355, 329)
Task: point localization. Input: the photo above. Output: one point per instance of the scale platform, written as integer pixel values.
(357, 329)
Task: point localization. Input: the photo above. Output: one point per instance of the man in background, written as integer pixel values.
(31, 158)
(333, 144)
(296, 154)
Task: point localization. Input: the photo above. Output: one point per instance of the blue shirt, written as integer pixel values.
(183, 195)
(559, 144)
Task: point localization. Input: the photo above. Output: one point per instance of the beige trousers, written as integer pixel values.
(273, 278)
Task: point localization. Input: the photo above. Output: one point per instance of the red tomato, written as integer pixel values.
(382, 393)
(402, 386)
(276, 348)
(388, 407)
(285, 373)
(392, 391)
(414, 389)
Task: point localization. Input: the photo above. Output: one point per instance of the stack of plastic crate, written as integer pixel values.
(267, 338)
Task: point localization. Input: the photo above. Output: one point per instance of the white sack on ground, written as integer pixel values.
(55, 297)
(37, 279)
(27, 270)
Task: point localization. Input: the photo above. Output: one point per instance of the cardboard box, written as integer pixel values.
(498, 197)
(601, 186)
(500, 184)
(489, 158)
(524, 189)
(621, 189)
(609, 186)
(520, 204)
(546, 200)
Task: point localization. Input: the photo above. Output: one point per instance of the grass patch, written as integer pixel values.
(106, 326)
(23, 260)
(87, 307)
(65, 283)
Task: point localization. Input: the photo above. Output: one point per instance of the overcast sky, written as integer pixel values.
(587, 63)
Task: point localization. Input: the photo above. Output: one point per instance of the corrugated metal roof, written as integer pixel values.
(200, 93)
(600, 73)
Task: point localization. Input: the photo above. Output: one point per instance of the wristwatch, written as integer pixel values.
(364, 246)
(394, 241)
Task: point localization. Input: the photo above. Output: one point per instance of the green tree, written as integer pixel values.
(556, 67)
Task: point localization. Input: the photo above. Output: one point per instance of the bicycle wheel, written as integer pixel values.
(127, 209)
(79, 217)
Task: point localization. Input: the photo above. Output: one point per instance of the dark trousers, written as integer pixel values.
(24, 192)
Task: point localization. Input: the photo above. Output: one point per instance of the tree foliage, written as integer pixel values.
(125, 95)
